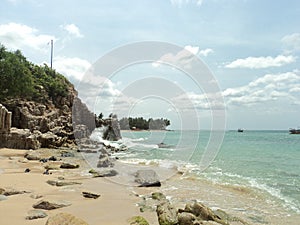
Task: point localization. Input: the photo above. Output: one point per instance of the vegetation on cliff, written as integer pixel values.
(23, 79)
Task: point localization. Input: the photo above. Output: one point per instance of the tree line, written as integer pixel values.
(139, 123)
(23, 79)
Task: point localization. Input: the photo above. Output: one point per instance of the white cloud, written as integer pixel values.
(71, 67)
(264, 90)
(205, 52)
(72, 29)
(192, 49)
(262, 62)
(196, 50)
(17, 36)
(291, 42)
(184, 58)
(193, 101)
(179, 3)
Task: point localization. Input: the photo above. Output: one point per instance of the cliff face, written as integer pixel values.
(42, 124)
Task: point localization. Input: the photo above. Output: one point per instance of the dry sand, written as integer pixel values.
(116, 204)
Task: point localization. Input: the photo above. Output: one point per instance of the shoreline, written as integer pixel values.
(119, 202)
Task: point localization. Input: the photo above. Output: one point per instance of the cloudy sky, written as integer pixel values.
(251, 47)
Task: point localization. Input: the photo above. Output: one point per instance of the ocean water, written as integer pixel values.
(255, 174)
(264, 161)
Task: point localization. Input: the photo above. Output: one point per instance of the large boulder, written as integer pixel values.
(112, 131)
(201, 212)
(147, 178)
(65, 219)
(167, 214)
(32, 155)
(185, 218)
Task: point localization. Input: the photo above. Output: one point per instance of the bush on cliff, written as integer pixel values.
(23, 79)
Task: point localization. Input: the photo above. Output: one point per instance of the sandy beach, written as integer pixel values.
(116, 205)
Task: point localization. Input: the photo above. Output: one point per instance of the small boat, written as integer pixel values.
(294, 131)
(240, 130)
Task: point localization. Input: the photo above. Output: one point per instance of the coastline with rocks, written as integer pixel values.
(61, 185)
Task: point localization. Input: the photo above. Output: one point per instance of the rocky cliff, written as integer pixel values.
(46, 125)
(42, 107)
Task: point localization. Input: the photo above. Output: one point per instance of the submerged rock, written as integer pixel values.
(147, 178)
(65, 219)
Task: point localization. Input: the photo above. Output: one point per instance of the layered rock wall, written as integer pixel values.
(5, 119)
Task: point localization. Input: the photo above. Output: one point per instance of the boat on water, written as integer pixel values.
(294, 131)
(240, 130)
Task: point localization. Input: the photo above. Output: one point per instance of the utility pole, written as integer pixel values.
(51, 59)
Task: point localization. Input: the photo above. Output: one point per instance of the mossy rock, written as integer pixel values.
(138, 220)
(158, 196)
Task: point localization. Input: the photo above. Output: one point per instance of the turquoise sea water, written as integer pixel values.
(268, 161)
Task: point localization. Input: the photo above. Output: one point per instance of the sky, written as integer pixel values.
(250, 47)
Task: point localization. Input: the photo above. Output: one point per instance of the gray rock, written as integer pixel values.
(49, 139)
(112, 132)
(167, 214)
(31, 155)
(36, 214)
(90, 195)
(65, 219)
(9, 192)
(147, 178)
(202, 212)
(36, 196)
(104, 173)
(67, 165)
(49, 205)
(67, 154)
(3, 198)
(5, 119)
(60, 183)
(105, 161)
(185, 218)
